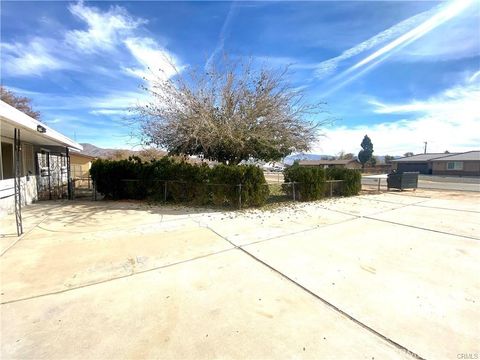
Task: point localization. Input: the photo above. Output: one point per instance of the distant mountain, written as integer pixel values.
(96, 151)
(99, 152)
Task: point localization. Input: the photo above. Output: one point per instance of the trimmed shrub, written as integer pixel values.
(181, 181)
(235, 184)
(109, 175)
(255, 190)
(352, 180)
(310, 182)
(310, 179)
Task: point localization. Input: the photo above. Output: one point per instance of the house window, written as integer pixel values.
(7, 160)
(28, 160)
(455, 165)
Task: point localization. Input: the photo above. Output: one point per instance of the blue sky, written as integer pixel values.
(401, 72)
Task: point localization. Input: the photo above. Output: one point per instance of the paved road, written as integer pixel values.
(430, 184)
(448, 186)
(451, 179)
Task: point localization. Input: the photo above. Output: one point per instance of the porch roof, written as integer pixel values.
(12, 118)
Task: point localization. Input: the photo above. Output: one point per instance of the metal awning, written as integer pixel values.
(33, 131)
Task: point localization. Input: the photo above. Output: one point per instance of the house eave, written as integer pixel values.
(17, 119)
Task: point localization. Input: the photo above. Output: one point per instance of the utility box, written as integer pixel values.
(406, 180)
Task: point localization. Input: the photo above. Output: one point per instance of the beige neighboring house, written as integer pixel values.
(457, 164)
(348, 164)
(421, 163)
(80, 165)
(464, 164)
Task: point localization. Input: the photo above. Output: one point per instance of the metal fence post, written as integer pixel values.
(165, 192)
(293, 185)
(331, 189)
(239, 196)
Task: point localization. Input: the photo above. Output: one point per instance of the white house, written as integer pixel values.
(34, 160)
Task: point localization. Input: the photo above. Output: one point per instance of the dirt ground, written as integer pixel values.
(377, 276)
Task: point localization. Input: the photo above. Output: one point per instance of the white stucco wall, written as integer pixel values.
(7, 199)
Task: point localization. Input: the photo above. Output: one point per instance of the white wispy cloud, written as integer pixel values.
(459, 102)
(443, 14)
(457, 39)
(223, 35)
(115, 102)
(155, 60)
(329, 66)
(283, 61)
(395, 37)
(32, 58)
(122, 112)
(447, 121)
(105, 30)
(115, 28)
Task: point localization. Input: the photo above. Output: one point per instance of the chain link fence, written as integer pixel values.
(198, 193)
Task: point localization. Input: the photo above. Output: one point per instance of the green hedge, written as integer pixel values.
(181, 181)
(352, 180)
(310, 182)
(310, 179)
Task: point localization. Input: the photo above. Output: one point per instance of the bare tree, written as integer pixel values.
(388, 159)
(342, 155)
(231, 112)
(120, 155)
(150, 154)
(19, 102)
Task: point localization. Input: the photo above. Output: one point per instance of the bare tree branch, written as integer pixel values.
(229, 113)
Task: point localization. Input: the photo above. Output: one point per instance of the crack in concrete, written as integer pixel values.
(326, 302)
(23, 236)
(116, 277)
(424, 206)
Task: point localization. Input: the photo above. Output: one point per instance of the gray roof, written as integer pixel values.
(326, 162)
(421, 157)
(466, 156)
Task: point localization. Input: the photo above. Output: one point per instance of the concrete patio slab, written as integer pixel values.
(49, 265)
(412, 285)
(360, 206)
(128, 279)
(401, 198)
(207, 308)
(101, 215)
(450, 221)
(452, 204)
(256, 225)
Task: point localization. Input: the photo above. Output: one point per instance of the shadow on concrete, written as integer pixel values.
(60, 215)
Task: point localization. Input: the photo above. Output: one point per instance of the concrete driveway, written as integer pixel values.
(371, 277)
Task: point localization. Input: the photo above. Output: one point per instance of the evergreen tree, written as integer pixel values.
(367, 150)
